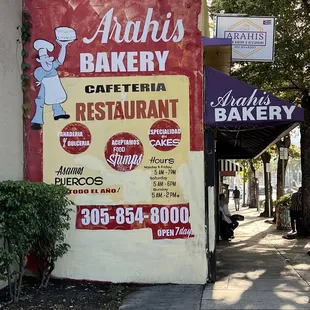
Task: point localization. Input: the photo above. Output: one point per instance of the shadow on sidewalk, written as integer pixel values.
(260, 270)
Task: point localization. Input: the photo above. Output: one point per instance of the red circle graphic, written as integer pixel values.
(165, 135)
(75, 138)
(124, 152)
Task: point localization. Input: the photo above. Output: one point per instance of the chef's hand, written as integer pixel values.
(64, 43)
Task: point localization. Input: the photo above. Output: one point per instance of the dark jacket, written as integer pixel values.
(296, 202)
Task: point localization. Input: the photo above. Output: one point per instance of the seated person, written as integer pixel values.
(228, 223)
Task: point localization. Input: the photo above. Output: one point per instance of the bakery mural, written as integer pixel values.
(117, 114)
(51, 91)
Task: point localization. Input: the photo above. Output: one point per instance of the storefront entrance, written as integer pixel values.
(241, 122)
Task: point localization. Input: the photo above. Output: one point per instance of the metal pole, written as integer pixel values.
(268, 194)
(211, 196)
(243, 190)
(283, 176)
(257, 199)
(257, 190)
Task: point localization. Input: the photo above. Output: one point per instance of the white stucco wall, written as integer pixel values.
(11, 121)
(133, 256)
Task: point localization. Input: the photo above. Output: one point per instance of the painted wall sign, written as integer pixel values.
(252, 37)
(117, 118)
(231, 102)
(166, 222)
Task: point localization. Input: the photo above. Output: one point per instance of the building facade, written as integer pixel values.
(11, 116)
(117, 116)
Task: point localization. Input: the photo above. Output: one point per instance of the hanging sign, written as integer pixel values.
(252, 37)
(283, 153)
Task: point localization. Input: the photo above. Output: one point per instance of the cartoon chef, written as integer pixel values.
(51, 90)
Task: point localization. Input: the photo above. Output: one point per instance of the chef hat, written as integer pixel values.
(42, 46)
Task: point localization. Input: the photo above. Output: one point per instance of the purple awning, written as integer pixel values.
(217, 53)
(216, 41)
(230, 102)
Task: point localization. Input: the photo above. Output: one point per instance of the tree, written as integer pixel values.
(266, 157)
(294, 165)
(253, 196)
(34, 217)
(244, 176)
(289, 75)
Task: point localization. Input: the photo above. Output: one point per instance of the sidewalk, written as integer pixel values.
(260, 270)
(257, 270)
(165, 297)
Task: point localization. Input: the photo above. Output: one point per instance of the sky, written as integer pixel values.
(295, 136)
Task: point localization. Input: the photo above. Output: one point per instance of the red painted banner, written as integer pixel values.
(95, 39)
(228, 173)
(165, 221)
(116, 104)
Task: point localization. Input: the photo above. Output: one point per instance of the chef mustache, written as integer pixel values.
(37, 56)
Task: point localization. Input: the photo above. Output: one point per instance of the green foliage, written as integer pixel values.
(246, 170)
(294, 152)
(284, 202)
(262, 203)
(289, 75)
(257, 163)
(273, 151)
(25, 66)
(33, 218)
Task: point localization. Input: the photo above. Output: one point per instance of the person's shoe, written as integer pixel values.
(63, 116)
(35, 126)
(289, 236)
(292, 232)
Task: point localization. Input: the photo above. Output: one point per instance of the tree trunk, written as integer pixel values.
(286, 143)
(305, 165)
(266, 157)
(249, 187)
(243, 197)
(270, 195)
(253, 187)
